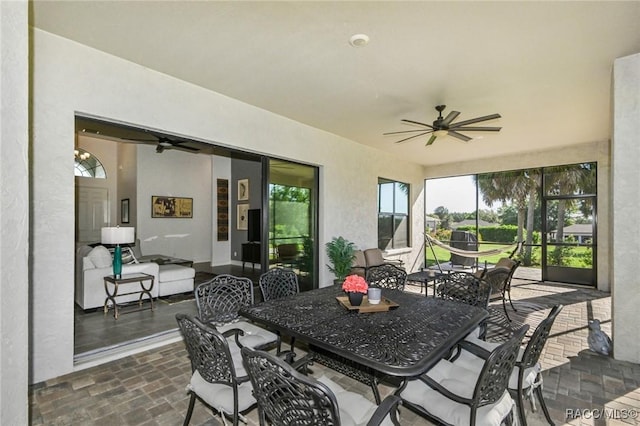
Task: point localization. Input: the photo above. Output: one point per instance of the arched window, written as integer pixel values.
(88, 165)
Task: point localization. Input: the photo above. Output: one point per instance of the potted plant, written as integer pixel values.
(356, 287)
(341, 253)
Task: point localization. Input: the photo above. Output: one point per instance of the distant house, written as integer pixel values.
(582, 232)
(431, 223)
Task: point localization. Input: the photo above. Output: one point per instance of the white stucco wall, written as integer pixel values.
(626, 205)
(174, 173)
(70, 78)
(14, 212)
(594, 151)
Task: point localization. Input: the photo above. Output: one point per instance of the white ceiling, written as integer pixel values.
(544, 66)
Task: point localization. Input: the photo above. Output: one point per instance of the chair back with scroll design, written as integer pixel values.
(277, 283)
(286, 397)
(386, 276)
(219, 299)
(528, 362)
(443, 393)
(466, 288)
(214, 370)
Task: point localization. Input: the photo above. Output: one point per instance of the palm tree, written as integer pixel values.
(519, 187)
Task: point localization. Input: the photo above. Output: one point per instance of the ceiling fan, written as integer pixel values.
(443, 126)
(166, 143)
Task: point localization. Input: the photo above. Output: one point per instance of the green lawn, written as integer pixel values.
(573, 256)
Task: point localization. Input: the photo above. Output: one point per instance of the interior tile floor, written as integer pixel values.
(149, 388)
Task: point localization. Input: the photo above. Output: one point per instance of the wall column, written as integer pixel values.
(14, 212)
(625, 294)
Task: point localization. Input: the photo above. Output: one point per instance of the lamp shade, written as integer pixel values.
(118, 235)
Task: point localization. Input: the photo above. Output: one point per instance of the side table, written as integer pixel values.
(112, 284)
(424, 277)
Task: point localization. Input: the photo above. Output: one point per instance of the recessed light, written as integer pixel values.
(359, 40)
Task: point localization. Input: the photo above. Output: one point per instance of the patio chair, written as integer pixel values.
(277, 283)
(219, 300)
(498, 279)
(465, 287)
(359, 264)
(386, 276)
(451, 394)
(218, 376)
(286, 397)
(525, 379)
(374, 257)
(287, 254)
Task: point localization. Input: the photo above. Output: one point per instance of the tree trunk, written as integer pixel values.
(531, 207)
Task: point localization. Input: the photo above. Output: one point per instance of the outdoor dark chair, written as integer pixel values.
(287, 254)
(286, 397)
(219, 300)
(277, 283)
(386, 276)
(525, 379)
(218, 376)
(500, 279)
(451, 394)
(466, 288)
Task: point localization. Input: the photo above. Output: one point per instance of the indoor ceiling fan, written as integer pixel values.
(165, 142)
(443, 127)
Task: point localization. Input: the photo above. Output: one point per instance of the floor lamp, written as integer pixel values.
(117, 235)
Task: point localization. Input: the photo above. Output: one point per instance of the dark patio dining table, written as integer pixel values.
(403, 342)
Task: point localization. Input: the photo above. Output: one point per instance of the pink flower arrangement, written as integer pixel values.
(355, 283)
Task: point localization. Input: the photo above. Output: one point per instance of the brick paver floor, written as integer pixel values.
(580, 387)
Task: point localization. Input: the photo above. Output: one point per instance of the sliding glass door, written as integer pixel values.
(292, 205)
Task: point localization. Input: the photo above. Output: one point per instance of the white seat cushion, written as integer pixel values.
(460, 381)
(175, 272)
(254, 336)
(472, 362)
(354, 408)
(220, 396)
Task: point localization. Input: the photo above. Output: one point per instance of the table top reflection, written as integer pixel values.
(403, 342)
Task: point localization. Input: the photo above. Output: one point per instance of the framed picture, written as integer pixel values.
(243, 190)
(171, 207)
(243, 220)
(124, 210)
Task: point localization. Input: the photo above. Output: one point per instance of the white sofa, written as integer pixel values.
(93, 266)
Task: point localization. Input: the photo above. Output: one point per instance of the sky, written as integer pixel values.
(457, 194)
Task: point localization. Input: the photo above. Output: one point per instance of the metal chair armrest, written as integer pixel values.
(476, 350)
(389, 406)
(444, 391)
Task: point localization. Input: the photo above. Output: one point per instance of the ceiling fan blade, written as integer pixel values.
(459, 135)
(479, 129)
(405, 131)
(414, 136)
(417, 122)
(431, 140)
(185, 147)
(449, 118)
(475, 120)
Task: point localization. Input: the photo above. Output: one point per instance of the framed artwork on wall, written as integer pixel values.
(243, 190)
(124, 210)
(243, 219)
(171, 207)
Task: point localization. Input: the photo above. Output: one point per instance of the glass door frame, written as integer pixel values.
(313, 216)
(565, 274)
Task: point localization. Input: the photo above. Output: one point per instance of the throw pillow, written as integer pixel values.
(100, 257)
